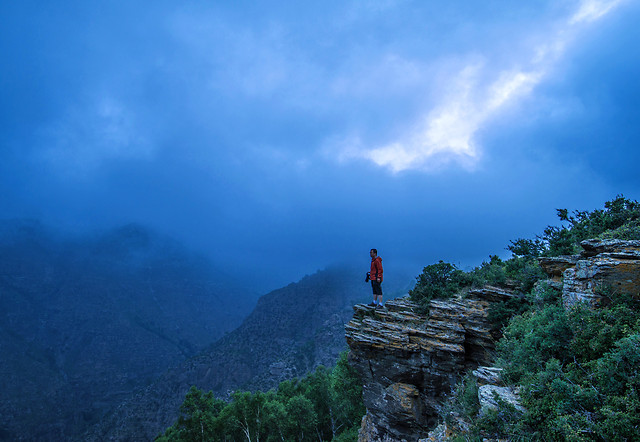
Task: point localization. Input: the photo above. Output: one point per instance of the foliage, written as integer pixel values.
(620, 219)
(325, 405)
(527, 248)
(438, 281)
(499, 423)
(444, 280)
(536, 334)
(500, 313)
(578, 370)
(464, 401)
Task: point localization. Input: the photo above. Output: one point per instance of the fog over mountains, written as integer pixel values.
(86, 321)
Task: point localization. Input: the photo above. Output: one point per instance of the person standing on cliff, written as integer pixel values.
(375, 275)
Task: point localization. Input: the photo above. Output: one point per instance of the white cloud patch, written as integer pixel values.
(592, 10)
(447, 132)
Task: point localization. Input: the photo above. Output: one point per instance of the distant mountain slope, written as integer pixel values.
(85, 322)
(291, 331)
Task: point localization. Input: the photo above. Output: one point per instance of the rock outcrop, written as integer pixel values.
(410, 361)
(603, 264)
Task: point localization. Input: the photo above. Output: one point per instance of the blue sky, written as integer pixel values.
(279, 138)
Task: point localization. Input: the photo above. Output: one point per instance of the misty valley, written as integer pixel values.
(102, 331)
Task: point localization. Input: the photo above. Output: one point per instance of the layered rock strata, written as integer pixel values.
(603, 264)
(409, 361)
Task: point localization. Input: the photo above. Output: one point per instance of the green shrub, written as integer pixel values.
(579, 370)
(498, 423)
(597, 330)
(620, 219)
(468, 396)
(500, 313)
(492, 273)
(536, 336)
(438, 281)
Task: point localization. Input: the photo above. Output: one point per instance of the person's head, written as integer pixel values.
(373, 253)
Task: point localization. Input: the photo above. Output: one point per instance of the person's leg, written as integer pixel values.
(377, 293)
(373, 289)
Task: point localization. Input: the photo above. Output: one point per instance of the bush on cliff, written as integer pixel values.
(578, 370)
(438, 281)
(444, 280)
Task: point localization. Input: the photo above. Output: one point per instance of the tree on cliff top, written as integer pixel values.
(620, 219)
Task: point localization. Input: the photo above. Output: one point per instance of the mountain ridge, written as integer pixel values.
(291, 331)
(86, 320)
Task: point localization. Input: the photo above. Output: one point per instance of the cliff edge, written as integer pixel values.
(410, 361)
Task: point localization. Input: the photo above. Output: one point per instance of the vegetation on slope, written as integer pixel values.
(324, 405)
(577, 369)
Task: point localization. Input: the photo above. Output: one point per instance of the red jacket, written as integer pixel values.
(376, 269)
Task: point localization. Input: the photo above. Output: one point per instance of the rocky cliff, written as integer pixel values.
(410, 361)
(602, 265)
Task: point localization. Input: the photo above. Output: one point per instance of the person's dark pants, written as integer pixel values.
(376, 287)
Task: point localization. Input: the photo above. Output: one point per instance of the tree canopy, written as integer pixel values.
(325, 405)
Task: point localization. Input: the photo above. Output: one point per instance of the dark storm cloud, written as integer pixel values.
(264, 134)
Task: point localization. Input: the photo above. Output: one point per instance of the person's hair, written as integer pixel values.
(375, 251)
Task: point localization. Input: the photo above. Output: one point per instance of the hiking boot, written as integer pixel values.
(380, 306)
(372, 304)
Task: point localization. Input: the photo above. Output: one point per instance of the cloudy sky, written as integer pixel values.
(279, 137)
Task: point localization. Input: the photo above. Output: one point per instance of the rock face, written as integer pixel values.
(409, 361)
(611, 264)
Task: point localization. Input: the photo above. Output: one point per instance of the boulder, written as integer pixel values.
(488, 375)
(555, 266)
(490, 395)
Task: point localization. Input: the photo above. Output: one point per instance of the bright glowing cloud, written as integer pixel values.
(447, 133)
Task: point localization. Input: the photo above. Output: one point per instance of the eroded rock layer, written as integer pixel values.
(602, 265)
(409, 361)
